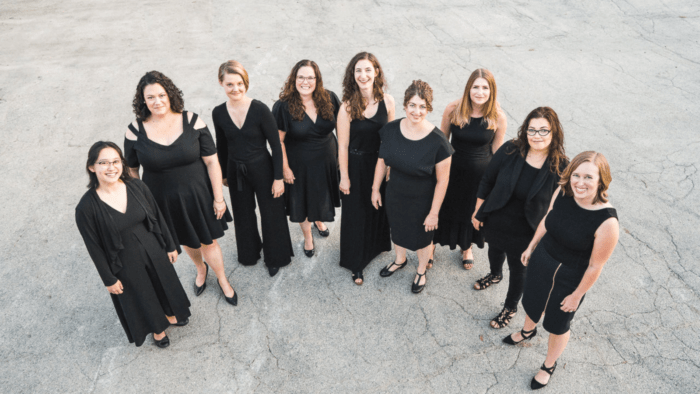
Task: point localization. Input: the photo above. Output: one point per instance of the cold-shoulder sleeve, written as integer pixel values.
(221, 141)
(268, 124)
(85, 220)
(444, 149)
(281, 115)
(132, 159)
(207, 146)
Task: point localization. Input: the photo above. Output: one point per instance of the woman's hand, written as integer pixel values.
(116, 288)
(525, 257)
(376, 199)
(476, 223)
(277, 188)
(288, 175)
(431, 223)
(388, 171)
(172, 256)
(224, 182)
(570, 303)
(345, 185)
(219, 208)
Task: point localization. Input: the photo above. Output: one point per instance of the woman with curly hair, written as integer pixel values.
(419, 157)
(364, 231)
(513, 197)
(306, 114)
(180, 166)
(477, 126)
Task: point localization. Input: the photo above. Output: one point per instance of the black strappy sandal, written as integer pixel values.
(385, 271)
(535, 385)
(415, 287)
(503, 318)
(487, 281)
(509, 339)
(358, 275)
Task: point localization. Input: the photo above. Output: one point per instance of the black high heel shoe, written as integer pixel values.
(200, 289)
(232, 300)
(310, 253)
(415, 287)
(535, 385)
(162, 343)
(358, 275)
(181, 323)
(323, 233)
(273, 271)
(385, 271)
(509, 339)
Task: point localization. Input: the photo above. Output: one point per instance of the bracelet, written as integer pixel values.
(222, 200)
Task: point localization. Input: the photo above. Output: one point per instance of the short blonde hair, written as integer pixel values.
(233, 67)
(603, 172)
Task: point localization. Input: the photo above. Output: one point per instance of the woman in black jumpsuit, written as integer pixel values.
(243, 128)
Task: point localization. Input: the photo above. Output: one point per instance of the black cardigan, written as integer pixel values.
(102, 239)
(499, 180)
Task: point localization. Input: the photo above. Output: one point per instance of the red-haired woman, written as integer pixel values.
(244, 127)
(306, 114)
(513, 197)
(567, 254)
(477, 126)
(364, 231)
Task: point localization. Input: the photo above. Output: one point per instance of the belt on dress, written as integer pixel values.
(241, 171)
(359, 152)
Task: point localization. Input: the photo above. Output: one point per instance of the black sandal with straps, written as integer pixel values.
(415, 287)
(525, 334)
(386, 272)
(503, 318)
(487, 281)
(535, 385)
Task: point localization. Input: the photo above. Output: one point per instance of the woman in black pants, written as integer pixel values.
(513, 197)
(243, 127)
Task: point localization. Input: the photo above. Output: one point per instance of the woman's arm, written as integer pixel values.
(214, 171)
(221, 148)
(343, 129)
(88, 230)
(445, 123)
(539, 233)
(133, 171)
(390, 104)
(605, 241)
(379, 173)
(442, 172)
(286, 171)
(501, 126)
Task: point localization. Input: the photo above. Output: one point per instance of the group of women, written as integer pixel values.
(399, 180)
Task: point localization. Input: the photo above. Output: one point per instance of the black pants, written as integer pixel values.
(517, 273)
(247, 181)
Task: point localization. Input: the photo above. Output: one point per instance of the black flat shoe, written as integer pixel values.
(509, 339)
(310, 253)
(273, 270)
(385, 271)
(200, 289)
(415, 287)
(182, 323)
(163, 343)
(233, 300)
(356, 276)
(323, 233)
(535, 385)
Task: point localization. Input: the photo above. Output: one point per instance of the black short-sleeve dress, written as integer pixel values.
(411, 186)
(560, 260)
(178, 178)
(312, 154)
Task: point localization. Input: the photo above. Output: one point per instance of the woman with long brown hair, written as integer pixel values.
(306, 114)
(366, 108)
(477, 126)
(513, 197)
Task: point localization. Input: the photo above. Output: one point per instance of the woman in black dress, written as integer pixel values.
(567, 255)
(306, 115)
(513, 197)
(127, 239)
(178, 155)
(243, 125)
(477, 126)
(364, 231)
(419, 157)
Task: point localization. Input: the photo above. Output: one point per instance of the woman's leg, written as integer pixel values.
(196, 257)
(423, 258)
(215, 259)
(527, 327)
(516, 281)
(556, 346)
(308, 236)
(321, 226)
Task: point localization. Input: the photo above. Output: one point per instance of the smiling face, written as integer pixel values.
(233, 86)
(537, 141)
(585, 180)
(108, 167)
(416, 110)
(480, 91)
(365, 74)
(306, 81)
(156, 99)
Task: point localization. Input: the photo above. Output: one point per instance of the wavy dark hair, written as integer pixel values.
(356, 104)
(462, 114)
(422, 90)
(603, 172)
(94, 154)
(321, 97)
(557, 156)
(177, 103)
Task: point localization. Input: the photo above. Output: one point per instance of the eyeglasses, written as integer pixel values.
(107, 164)
(542, 132)
(309, 79)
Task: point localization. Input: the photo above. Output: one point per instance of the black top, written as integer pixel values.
(248, 142)
(571, 231)
(473, 140)
(364, 136)
(499, 181)
(413, 158)
(305, 132)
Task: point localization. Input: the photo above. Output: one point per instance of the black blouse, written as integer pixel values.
(414, 158)
(305, 131)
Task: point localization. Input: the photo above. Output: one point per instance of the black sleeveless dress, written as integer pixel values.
(364, 231)
(179, 181)
(560, 260)
(472, 145)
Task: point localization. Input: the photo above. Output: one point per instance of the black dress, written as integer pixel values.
(364, 231)
(472, 144)
(411, 186)
(312, 154)
(178, 178)
(131, 247)
(560, 260)
(250, 171)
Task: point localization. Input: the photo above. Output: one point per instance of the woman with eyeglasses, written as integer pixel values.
(128, 240)
(514, 196)
(306, 114)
